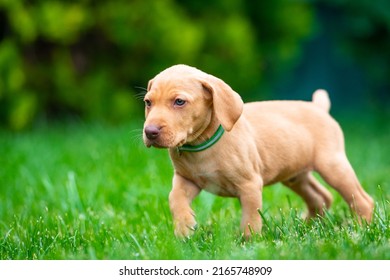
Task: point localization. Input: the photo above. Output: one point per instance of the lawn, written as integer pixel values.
(91, 191)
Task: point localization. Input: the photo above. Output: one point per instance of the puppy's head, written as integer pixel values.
(182, 101)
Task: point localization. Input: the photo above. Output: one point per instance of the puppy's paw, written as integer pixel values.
(185, 226)
(251, 229)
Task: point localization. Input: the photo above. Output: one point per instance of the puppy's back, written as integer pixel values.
(289, 133)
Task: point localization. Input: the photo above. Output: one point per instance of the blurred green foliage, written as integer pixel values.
(365, 32)
(87, 58)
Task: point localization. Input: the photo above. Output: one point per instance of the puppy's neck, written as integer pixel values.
(206, 131)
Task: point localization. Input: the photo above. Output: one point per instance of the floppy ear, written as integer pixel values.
(227, 103)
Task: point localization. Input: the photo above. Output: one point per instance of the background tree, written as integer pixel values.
(87, 58)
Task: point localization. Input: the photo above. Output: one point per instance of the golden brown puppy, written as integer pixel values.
(220, 145)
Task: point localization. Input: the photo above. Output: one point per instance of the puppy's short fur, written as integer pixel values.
(264, 143)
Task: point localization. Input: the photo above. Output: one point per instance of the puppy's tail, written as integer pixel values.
(321, 99)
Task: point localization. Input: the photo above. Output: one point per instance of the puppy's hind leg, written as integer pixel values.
(316, 196)
(337, 172)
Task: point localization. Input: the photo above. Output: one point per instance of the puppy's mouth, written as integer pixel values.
(162, 143)
(158, 145)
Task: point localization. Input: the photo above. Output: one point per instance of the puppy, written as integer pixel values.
(220, 145)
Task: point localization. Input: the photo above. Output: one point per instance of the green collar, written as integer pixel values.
(205, 145)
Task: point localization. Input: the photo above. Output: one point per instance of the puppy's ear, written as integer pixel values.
(227, 103)
(150, 84)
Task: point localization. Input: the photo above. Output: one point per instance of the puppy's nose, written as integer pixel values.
(152, 132)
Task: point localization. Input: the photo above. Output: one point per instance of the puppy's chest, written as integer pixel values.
(209, 178)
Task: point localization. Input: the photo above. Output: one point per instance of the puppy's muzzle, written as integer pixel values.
(152, 132)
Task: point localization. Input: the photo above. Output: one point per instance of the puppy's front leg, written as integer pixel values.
(251, 203)
(180, 199)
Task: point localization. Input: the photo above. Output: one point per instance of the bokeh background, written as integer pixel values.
(91, 59)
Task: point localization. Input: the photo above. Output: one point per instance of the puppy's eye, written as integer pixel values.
(148, 103)
(180, 102)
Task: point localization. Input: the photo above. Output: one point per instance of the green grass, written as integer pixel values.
(89, 191)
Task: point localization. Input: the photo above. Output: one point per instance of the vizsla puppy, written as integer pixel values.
(220, 145)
